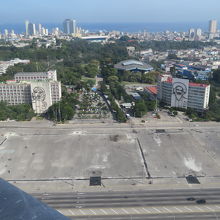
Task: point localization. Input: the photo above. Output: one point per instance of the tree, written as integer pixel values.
(140, 108)
(216, 76)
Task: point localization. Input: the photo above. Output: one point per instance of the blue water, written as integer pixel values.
(123, 27)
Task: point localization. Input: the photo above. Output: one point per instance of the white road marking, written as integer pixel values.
(199, 208)
(136, 210)
(62, 212)
(104, 211)
(72, 213)
(157, 210)
(124, 210)
(92, 211)
(115, 211)
(210, 208)
(167, 209)
(218, 207)
(179, 210)
(146, 210)
(188, 208)
(82, 212)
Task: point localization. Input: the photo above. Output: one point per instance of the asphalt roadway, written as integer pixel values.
(156, 204)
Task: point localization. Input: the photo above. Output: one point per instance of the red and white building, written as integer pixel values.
(181, 93)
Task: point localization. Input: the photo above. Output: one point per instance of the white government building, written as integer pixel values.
(41, 89)
(181, 93)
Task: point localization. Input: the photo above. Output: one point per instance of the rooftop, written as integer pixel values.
(152, 89)
(133, 65)
(198, 84)
(170, 80)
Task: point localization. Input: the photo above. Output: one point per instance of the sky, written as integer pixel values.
(107, 11)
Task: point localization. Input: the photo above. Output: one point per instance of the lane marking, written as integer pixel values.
(92, 211)
(136, 210)
(188, 208)
(218, 207)
(82, 212)
(167, 209)
(157, 210)
(210, 209)
(146, 210)
(199, 209)
(72, 212)
(179, 210)
(115, 211)
(106, 213)
(125, 211)
(62, 212)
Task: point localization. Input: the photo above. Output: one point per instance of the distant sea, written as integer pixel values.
(123, 27)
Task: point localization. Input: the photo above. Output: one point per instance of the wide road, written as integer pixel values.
(203, 216)
(158, 204)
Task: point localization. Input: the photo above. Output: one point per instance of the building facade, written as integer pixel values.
(40, 92)
(69, 26)
(33, 76)
(212, 28)
(180, 93)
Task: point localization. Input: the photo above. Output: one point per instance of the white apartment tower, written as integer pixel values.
(212, 28)
(69, 26)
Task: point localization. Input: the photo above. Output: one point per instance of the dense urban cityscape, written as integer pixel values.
(109, 124)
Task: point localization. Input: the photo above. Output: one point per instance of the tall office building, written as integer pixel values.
(30, 29)
(191, 33)
(212, 28)
(6, 32)
(198, 34)
(26, 27)
(69, 26)
(39, 29)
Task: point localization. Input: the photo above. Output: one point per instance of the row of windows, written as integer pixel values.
(30, 77)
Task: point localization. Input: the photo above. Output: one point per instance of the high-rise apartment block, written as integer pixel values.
(212, 28)
(181, 93)
(69, 26)
(39, 89)
(30, 29)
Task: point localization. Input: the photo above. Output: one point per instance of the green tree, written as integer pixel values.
(140, 108)
(216, 76)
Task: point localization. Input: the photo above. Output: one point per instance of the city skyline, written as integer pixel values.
(114, 11)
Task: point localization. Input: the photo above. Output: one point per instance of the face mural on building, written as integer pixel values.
(179, 90)
(180, 94)
(39, 95)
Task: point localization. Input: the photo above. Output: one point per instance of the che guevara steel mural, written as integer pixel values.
(180, 94)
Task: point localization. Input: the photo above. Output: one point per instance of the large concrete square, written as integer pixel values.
(179, 153)
(62, 155)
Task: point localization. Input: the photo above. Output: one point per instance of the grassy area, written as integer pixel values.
(87, 78)
(134, 83)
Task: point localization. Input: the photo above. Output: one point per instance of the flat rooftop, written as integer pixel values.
(130, 65)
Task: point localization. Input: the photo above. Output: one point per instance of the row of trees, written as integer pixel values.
(116, 110)
(63, 110)
(23, 112)
(164, 45)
